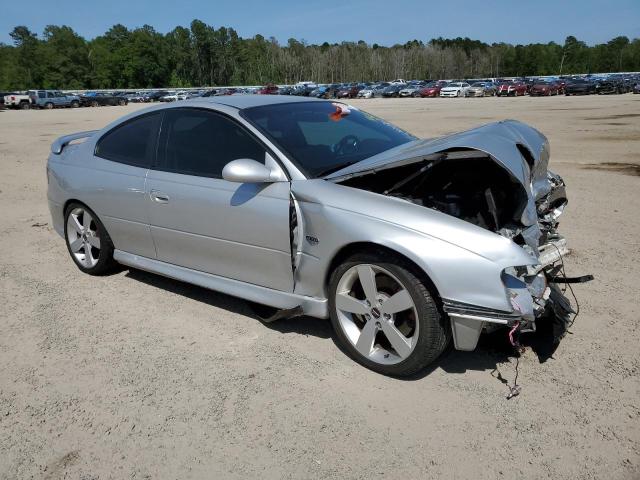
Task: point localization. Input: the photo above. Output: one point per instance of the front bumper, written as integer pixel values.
(531, 295)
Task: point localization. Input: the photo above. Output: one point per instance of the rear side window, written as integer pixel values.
(201, 142)
(133, 143)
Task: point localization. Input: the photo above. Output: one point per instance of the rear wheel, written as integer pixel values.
(75, 104)
(48, 105)
(94, 103)
(121, 102)
(384, 316)
(25, 105)
(87, 240)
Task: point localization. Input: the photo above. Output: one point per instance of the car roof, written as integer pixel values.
(247, 101)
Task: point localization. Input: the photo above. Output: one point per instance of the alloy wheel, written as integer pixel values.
(377, 314)
(83, 237)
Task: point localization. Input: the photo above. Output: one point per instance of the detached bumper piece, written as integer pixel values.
(467, 322)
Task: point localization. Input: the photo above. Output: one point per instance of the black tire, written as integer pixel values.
(105, 263)
(434, 330)
(25, 105)
(75, 104)
(122, 102)
(48, 105)
(94, 103)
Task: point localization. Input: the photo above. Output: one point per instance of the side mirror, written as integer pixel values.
(245, 170)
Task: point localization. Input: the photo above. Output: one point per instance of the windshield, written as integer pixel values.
(323, 137)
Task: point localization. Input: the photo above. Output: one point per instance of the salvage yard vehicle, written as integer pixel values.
(481, 89)
(511, 89)
(52, 98)
(393, 90)
(100, 99)
(372, 91)
(454, 89)
(432, 89)
(317, 208)
(17, 100)
(580, 86)
(545, 88)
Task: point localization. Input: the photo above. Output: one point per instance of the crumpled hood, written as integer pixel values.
(500, 140)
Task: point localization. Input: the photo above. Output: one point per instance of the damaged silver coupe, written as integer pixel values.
(318, 208)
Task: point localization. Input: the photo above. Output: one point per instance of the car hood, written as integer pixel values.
(522, 150)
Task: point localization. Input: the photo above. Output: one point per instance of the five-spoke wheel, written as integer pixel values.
(87, 240)
(384, 316)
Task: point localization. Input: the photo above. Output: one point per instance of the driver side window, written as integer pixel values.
(201, 142)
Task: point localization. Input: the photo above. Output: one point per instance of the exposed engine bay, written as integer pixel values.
(471, 185)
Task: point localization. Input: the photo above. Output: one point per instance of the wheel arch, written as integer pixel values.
(371, 247)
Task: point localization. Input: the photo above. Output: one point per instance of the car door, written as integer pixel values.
(201, 221)
(122, 158)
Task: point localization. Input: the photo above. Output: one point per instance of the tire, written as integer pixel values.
(420, 330)
(83, 230)
(48, 105)
(75, 104)
(94, 103)
(25, 106)
(122, 103)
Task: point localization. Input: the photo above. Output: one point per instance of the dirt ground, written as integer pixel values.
(136, 376)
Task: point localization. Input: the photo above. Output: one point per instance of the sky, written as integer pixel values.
(374, 21)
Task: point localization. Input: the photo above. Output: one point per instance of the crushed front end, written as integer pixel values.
(495, 177)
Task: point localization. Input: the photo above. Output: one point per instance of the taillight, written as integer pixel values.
(12, 98)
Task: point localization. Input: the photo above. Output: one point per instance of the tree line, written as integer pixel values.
(202, 55)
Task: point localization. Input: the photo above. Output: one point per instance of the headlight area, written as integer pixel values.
(527, 291)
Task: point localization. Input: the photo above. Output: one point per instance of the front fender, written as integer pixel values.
(463, 261)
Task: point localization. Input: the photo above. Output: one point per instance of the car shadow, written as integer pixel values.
(492, 351)
(304, 325)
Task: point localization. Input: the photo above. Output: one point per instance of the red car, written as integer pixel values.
(511, 89)
(431, 89)
(269, 89)
(349, 92)
(545, 88)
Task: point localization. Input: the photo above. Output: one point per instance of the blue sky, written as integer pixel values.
(384, 22)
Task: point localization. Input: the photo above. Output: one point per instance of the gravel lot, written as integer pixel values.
(136, 376)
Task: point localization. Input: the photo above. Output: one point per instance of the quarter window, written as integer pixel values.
(133, 143)
(201, 142)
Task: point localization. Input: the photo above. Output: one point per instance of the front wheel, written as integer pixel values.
(48, 105)
(384, 316)
(75, 104)
(87, 240)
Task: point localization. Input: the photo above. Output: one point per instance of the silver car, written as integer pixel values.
(316, 208)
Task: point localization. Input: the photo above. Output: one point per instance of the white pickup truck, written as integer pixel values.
(17, 100)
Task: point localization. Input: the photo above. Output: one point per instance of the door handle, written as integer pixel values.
(159, 197)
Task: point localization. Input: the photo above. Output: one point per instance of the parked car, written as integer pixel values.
(511, 89)
(134, 97)
(611, 85)
(372, 91)
(545, 88)
(436, 248)
(326, 91)
(155, 96)
(454, 89)
(432, 89)
(481, 89)
(349, 92)
(393, 90)
(411, 90)
(269, 89)
(52, 98)
(16, 100)
(579, 87)
(101, 99)
(175, 96)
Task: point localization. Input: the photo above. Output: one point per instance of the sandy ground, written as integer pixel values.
(136, 376)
